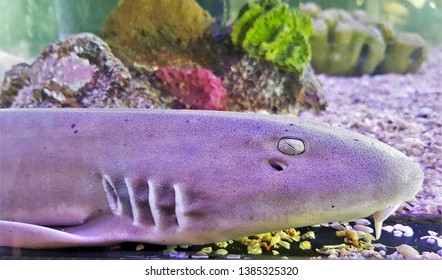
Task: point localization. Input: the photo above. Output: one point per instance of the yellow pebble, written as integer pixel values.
(305, 245)
(221, 252)
(207, 250)
(308, 235)
(222, 244)
(254, 251)
(284, 244)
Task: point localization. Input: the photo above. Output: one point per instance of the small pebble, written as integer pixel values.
(363, 222)
(397, 233)
(398, 226)
(308, 235)
(233, 257)
(408, 231)
(223, 244)
(284, 244)
(254, 251)
(274, 252)
(337, 226)
(206, 250)
(407, 251)
(431, 256)
(200, 255)
(305, 245)
(431, 240)
(183, 255)
(221, 252)
(388, 228)
(363, 228)
(139, 247)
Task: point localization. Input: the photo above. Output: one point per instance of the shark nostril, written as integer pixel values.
(276, 164)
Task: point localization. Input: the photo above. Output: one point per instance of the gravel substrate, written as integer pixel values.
(404, 111)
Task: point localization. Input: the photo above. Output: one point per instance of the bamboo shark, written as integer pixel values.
(88, 177)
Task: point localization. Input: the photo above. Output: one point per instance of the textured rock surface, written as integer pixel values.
(195, 88)
(78, 72)
(255, 86)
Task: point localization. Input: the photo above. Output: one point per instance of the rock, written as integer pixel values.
(80, 71)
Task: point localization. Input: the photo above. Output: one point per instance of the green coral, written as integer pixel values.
(269, 30)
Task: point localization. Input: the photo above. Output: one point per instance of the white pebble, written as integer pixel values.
(432, 233)
(407, 251)
(431, 240)
(363, 222)
(438, 239)
(183, 255)
(397, 233)
(408, 231)
(398, 227)
(233, 256)
(363, 228)
(388, 228)
(337, 226)
(200, 255)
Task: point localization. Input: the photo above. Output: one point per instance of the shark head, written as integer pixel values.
(274, 172)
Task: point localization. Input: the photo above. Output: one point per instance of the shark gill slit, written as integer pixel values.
(138, 191)
(162, 201)
(117, 194)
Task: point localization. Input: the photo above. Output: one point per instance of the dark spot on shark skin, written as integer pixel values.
(126, 120)
(332, 206)
(73, 125)
(286, 130)
(76, 131)
(187, 121)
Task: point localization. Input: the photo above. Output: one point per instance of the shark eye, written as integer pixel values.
(291, 146)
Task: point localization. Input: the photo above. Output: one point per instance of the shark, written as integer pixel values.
(97, 177)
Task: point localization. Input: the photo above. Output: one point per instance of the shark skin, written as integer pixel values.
(94, 177)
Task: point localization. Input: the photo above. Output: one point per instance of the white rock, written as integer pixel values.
(363, 228)
(388, 228)
(397, 233)
(398, 226)
(363, 222)
(408, 231)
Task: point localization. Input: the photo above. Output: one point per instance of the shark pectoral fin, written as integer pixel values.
(104, 231)
(380, 216)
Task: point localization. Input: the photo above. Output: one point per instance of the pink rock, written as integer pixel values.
(196, 88)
